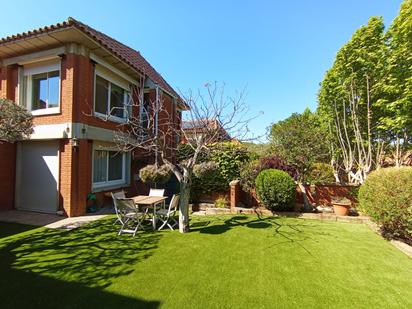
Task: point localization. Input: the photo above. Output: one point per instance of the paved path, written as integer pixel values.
(47, 220)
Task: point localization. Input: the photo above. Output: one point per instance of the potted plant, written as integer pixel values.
(341, 205)
(91, 202)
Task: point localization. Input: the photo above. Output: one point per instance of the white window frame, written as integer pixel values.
(40, 68)
(109, 183)
(126, 95)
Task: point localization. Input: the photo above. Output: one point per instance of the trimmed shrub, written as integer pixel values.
(276, 189)
(320, 173)
(249, 171)
(155, 174)
(386, 196)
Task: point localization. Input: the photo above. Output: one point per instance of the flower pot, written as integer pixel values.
(341, 208)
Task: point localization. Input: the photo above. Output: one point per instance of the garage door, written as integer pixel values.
(37, 176)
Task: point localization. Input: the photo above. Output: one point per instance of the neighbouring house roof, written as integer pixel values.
(199, 125)
(125, 53)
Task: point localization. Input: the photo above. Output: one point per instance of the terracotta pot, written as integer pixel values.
(341, 209)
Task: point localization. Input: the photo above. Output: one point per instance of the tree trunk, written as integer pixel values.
(307, 205)
(184, 207)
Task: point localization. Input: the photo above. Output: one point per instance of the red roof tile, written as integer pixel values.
(125, 53)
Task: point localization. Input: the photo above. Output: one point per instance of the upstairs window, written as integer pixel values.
(110, 99)
(41, 88)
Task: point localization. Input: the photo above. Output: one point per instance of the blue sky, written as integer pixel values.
(280, 50)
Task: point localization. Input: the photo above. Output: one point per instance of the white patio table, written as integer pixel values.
(150, 202)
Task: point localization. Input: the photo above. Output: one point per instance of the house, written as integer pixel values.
(77, 83)
(207, 128)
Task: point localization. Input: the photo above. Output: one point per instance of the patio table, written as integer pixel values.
(150, 201)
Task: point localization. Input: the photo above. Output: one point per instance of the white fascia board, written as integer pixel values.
(73, 130)
(113, 69)
(34, 57)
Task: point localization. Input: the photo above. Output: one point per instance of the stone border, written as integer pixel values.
(264, 212)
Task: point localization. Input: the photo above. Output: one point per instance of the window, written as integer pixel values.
(41, 87)
(110, 99)
(108, 168)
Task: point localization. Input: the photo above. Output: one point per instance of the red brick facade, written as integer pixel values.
(76, 104)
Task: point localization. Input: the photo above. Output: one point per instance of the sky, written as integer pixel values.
(277, 50)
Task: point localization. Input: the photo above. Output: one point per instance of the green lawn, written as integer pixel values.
(224, 262)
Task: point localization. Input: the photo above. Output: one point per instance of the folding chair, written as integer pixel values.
(166, 216)
(157, 192)
(117, 195)
(128, 215)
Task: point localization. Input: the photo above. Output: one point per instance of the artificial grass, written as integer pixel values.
(224, 262)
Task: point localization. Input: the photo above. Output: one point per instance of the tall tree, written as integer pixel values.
(348, 100)
(397, 84)
(300, 140)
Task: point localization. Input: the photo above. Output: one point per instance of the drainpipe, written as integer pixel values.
(156, 126)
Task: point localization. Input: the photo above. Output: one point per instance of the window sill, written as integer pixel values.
(109, 186)
(110, 118)
(46, 111)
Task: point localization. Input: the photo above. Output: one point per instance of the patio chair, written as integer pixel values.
(157, 192)
(166, 216)
(117, 195)
(128, 215)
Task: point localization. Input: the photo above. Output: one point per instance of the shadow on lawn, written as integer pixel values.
(67, 269)
(285, 230)
(8, 229)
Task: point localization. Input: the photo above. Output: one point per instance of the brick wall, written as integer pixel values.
(7, 175)
(317, 195)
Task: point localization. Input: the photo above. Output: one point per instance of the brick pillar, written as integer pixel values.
(234, 195)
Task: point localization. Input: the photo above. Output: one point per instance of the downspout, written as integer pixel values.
(156, 125)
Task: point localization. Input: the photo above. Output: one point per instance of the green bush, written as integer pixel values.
(221, 202)
(248, 174)
(216, 168)
(185, 151)
(250, 170)
(386, 196)
(320, 173)
(206, 179)
(154, 174)
(276, 189)
(229, 157)
(205, 168)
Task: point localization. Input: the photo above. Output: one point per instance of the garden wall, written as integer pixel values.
(323, 194)
(317, 195)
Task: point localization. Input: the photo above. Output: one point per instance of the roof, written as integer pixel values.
(127, 54)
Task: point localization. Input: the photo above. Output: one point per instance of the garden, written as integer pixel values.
(224, 262)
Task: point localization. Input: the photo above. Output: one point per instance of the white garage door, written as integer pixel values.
(37, 176)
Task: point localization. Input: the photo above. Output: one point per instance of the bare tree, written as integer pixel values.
(155, 131)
